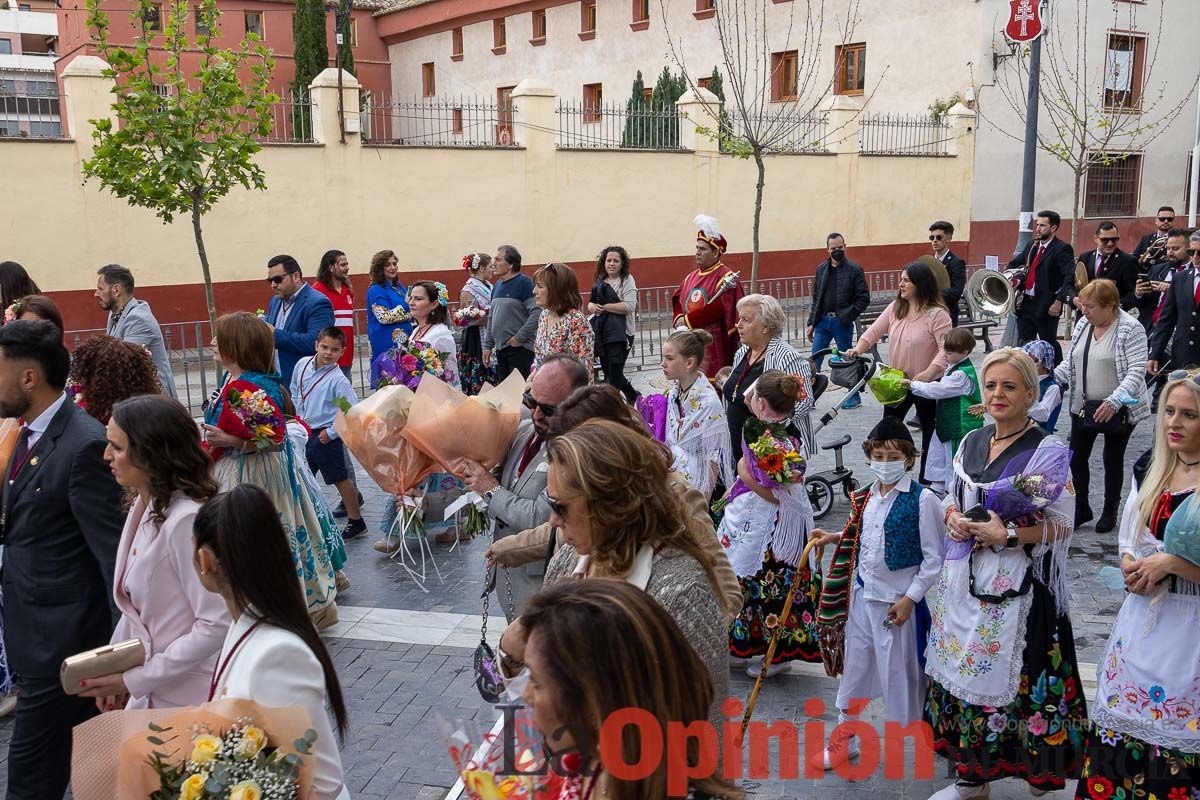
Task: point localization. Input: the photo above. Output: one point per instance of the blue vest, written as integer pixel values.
(1045, 383)
(902, 530)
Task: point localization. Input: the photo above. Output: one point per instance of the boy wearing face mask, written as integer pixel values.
(887, 558)
(956, 392)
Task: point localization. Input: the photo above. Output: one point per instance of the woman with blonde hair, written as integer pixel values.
(696, 429)
(578, 679)
(562, 327)
(1005, 696)
(1143, 719)
(609, 494)
(245, 346)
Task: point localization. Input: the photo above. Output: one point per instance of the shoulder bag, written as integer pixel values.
(1086, 419)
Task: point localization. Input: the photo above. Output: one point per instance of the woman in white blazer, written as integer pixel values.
(272, 654)
(154, 453)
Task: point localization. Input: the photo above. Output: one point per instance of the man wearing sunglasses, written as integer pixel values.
(940, 235)
(1049, 266)
(1176, 335)
(1107, 261)
(1164, 221)
(517, 501)
(297, 312)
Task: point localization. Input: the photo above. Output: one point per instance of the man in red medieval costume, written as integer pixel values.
(707, 297)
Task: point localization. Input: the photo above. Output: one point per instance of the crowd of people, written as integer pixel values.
(677, 523)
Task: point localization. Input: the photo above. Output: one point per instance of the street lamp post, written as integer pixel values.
(341, 12)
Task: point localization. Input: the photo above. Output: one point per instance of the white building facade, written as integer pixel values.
(29, 97)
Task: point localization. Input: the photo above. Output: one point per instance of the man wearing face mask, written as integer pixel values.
(840, 296)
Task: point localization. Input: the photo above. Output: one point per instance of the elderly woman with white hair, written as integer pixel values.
(761, 323)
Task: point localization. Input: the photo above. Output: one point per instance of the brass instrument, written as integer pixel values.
(1081, 276)
(1155, 252)
(993, 293)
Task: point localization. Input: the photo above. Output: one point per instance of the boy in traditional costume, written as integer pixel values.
(872, 620)
(707, 297)
(956, 392)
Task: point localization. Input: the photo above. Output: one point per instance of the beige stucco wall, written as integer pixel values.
(916, 52)
(432, 205)
(998, 176)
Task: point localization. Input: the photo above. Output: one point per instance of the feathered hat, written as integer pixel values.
(707, 231)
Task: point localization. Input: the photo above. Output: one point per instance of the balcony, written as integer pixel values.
(38, 23)
(27, 62)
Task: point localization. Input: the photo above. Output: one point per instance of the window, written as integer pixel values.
(593, 99)
(587, 17)
(705, 9)
(641, 15)
(1123, 71)
(504, 115)
(5, 47)
(152, 19)
(254, 24)
(705, 82)
(202, 29)
(783, 76)
(24, 7)
(354, 33)
(539, 27)
(1112, 185)
(647, 95)
(499, 36)
(428, 88)
(849, 66)
(456, 44)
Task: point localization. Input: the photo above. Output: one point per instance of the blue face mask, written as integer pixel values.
(888, 472)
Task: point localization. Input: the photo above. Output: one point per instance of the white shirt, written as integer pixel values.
(38, 426)
(952, 384)
(315, 388)
(879, 582)
(1043, 408)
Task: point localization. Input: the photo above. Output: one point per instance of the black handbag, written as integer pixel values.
(847, 373)
(1086, 418)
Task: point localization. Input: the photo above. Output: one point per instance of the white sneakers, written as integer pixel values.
(775, 669)
(842, 748)
(959, 791)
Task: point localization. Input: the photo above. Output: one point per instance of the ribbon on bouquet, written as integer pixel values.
(473, 498)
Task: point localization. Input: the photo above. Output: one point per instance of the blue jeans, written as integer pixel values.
(830, 329)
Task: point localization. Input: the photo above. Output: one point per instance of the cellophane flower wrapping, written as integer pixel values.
(653, 408)
(97, 775)
(408, 364)
(450, 427)
(373, 430)
(886, 386)
(1182, 536)
(480, 760)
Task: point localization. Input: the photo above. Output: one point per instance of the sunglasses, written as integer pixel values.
(1193, 252)
(1166, 219)
(1183, 374)
(533, 405)
(557, 506)
(936, 237)
(1109, 239)
(275, 280)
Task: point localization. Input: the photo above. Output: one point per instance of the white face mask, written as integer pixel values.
(888, 472)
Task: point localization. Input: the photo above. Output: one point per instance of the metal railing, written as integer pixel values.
(438, 122)
(791, 133)
(904, 135)
(291, 120)
(30, 116)
(612, 127)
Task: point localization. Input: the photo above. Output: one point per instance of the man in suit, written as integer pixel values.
(298, 313)
(941, 233)
(60, 525)
(1163, 223)
(132, 320)
(1107, 261)
(1049, 265)
(518, 500)
(1175, 331)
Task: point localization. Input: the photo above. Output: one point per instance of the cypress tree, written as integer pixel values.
(312, 56)
(636, 123)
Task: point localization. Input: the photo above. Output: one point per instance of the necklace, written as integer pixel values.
(1187, 465)
(1024, 428)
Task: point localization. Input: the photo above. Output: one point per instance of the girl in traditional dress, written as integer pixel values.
(476, 293)
(696, 430)
(1144, 740)
(764, 532)
(1005, 698)
(245, 347)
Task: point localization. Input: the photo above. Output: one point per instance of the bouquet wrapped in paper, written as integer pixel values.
(653, 408)
(406, 365)
(225, 749)
(451, 427)
(373, 429)
(486, 775)
(1027, 486)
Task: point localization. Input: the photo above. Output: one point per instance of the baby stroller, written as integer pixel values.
(852, 375)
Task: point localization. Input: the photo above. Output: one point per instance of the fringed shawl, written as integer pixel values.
(698, 435)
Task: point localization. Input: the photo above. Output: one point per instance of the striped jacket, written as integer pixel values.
(785, 358)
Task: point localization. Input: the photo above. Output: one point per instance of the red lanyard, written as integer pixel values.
(303, 394)
(218, 672)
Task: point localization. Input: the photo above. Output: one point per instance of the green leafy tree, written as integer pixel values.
(186, 137)
(312, 56)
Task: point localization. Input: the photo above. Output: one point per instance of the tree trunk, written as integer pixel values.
(1069, 313)
(208, 288)
(758, 195)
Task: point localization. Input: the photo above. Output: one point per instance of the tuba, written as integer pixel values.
(991, 293)
(1155, 252)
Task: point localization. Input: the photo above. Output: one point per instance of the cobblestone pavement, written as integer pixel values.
(404, 652)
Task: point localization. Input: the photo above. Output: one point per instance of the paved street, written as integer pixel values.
(404, 653)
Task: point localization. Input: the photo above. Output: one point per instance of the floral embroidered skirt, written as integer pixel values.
(472, 372)
(764, 594)
(1038, 737)
(1121, 767)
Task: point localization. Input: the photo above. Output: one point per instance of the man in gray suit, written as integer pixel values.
(60, 524)
(131, 319)
(518, 501)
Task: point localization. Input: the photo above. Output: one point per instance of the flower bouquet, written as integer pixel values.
(405, 365)
(373, 431)
(653, 408)
(1027, 486)
(525, 775)
(468, 315)
(249, 413)
(775, 461)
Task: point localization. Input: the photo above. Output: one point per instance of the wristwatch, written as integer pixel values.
(489, 494)
(1012, 540)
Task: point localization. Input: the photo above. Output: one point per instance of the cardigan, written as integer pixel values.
(915, 342)
(1131, 351)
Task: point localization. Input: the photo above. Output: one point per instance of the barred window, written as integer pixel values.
(1112, 186)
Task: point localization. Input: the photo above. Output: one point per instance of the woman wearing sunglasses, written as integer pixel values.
(1005, 697)
(1143, 725)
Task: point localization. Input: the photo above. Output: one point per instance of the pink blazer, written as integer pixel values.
(162, 602)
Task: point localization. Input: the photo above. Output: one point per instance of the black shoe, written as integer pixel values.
(354, 529)
(340, 512)
(1107, 521)
(1083, 518)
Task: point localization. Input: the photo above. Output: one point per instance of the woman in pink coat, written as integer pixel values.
(154, 451)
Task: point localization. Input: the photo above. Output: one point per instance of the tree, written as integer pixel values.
(185, 140)
(312, 56)
(1091, 114)
(664, 123)
(635, 115)
(768, 117)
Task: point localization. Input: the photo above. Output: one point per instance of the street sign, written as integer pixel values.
(1024, 21)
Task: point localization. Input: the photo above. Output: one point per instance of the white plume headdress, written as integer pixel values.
(708, 226)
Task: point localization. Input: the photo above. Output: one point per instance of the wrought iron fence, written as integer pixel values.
(611, 127)
(30, 116)
(903, 135)
(790, 132)
(291, 120)
(438, 122)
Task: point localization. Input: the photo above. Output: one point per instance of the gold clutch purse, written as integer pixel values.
(106, 660)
